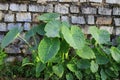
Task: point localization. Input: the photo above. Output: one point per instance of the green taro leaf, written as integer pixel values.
(101, 36)
(48, 48)
(86, 53)
(11, 36)
(74, 37)
(39, 67)
(72, 67)
(83, 64)
(94, 67)
(49, 16)
(26, 62)
(58, 70)
(115, 52)
(79, 75)
(103, 75)
(100, 59)
(69, 76)
(52, 28)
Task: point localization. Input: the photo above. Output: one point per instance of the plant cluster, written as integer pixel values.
(65, 53)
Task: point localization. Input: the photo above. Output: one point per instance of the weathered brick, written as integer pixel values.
(78, 20)
(41, 1)
(9, 18)
(116, 11)
(90, 19)
(117, 21)
(63, 9)
(83, 0)
(108, 28)
(89, 10)
(13, 25)
(3, 27)
(99, 1)
(85, 29)
(1, 15)
(68, 0)
(3, 6)
(74, 9)
(49, 8)
(18, 7)
(65, 18)
(117, 30)
(113, 1)
(35, 17)
(23, 17)
(104, 20)
(104, 11)
(12, 49)
(36, 8)
(27, 26)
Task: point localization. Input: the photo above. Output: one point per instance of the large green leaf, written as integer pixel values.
(94, 66)
(79, 75)
(83, 64)
(100, 59)
(69, 76)
(39, 67)
(72, 67)
(10, 36)
(101, 36)
(49, 16)
(85, 53)
(74, 37)
(115, 54)
(58, 70)
(52, 28)
(48, 48)
(103, 75)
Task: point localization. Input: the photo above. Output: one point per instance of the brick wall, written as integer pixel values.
(103, 13)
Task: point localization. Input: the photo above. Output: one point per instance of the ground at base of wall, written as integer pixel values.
(20, 78)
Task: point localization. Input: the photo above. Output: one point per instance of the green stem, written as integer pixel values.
(24, 40)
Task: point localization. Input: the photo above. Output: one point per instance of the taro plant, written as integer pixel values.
(65, 53)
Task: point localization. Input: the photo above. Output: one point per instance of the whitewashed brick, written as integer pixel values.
(18, 7)
(27, 26)
(74, 9)
(3, 27)
(117, 30)
(1, 15)
(104, 11)
(9, 18)
(36, 8)
(23, 17)
(63, 9)
(113, 1)
(49, 8)
(68, 0)
(89, 10)
(117, 21)
(78, 20)
(116, 11)
(41, 1)
(3, 6)
(108, 28)
(90, 19)
(13, 25)
(83, 0)
(99, 1)
(65, 18)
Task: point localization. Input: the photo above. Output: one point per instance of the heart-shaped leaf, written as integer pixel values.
(52, 28)
(11, 36)
(48, 48)
(101, 36)
(86, 53)
(74, 37)
(115, 54)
